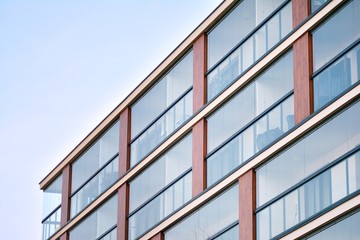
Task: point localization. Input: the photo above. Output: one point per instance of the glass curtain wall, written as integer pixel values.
(161, 189)
(259, 114)
(345, 228)
(52, 208)
(336, 54)
(243, 37)
(278, 188)
(165, 107)
(100, 224)
(216, 220)
(95, 171)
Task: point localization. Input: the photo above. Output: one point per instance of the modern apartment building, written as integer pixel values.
(249, 129)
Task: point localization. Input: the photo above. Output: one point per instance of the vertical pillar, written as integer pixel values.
(302, 49)
(199, 73)
(124, 165)
(124, 147)
(198, 157)
(158, 236)
(65, 195)
(199, 130)
(247, 204)
(65, 236)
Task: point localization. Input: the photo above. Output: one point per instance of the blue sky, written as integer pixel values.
(64, 65)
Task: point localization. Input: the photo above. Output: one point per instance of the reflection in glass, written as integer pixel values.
(162, 128)
(210, 219)
(316, 4)
(51, 224)
(275, 29)
(347, 228)
(103, 150)
(336, 34)
(161, 188)
(337, 77)
(98, 222)
(162, 94)
(313, 196)
(325, 144)
(97, 185)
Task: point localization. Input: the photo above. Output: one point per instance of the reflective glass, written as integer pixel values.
(329, 187)
(111, 235)
(162, 94)
(97, 185)
(337, 33)
(52, 196)
(161, 129)
(347, 228)
(210, 219)
(337, 77)
(322, 146)
(98, 222)
(231, 234)
(316, 4)
(106, 147)
(51, 224)
(266, 37)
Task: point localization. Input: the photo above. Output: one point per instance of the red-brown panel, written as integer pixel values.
(65, 236)
(247, 204)
(158, 236)
(65, 195)
(198, 157)
(123, 211)
(300, 11)
(302, 77)
(124, 148)
(199, 74)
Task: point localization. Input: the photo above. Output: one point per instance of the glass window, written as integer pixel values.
(161, 188)
(347, 228)
(96, 170)
(321, 191)
(100, 224)
(336, 34)
(337, 77)
(162, 94)
(162, 128)
(325, 144)
(255, 99)
(316, 4)
(253, 48)
(237, 25)
(52, 207)
(209, 219)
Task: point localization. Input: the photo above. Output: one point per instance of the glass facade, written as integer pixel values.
(161, 188)
(310, 198)
(210, 219)
(100, 224)
(252, 116)
(330, 141)
(162, 109)
(95, 171)
(52, 208)
(316, 4)
(336, 70)
(347, 228)
(253, 48)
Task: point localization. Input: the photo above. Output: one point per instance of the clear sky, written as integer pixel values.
(64, 65)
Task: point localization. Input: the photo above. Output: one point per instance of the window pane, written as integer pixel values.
(209, 219)
(52, 196)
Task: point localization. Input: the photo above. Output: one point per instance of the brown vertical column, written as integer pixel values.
(199, 130)
(247, 204)
(302, 49)
(158, 236)
(65, 195)
(65, 236)
(124, 147)
(124, 165)
(199, 73)
(198, 157)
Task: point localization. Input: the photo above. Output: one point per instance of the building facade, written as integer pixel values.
(250, 129)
